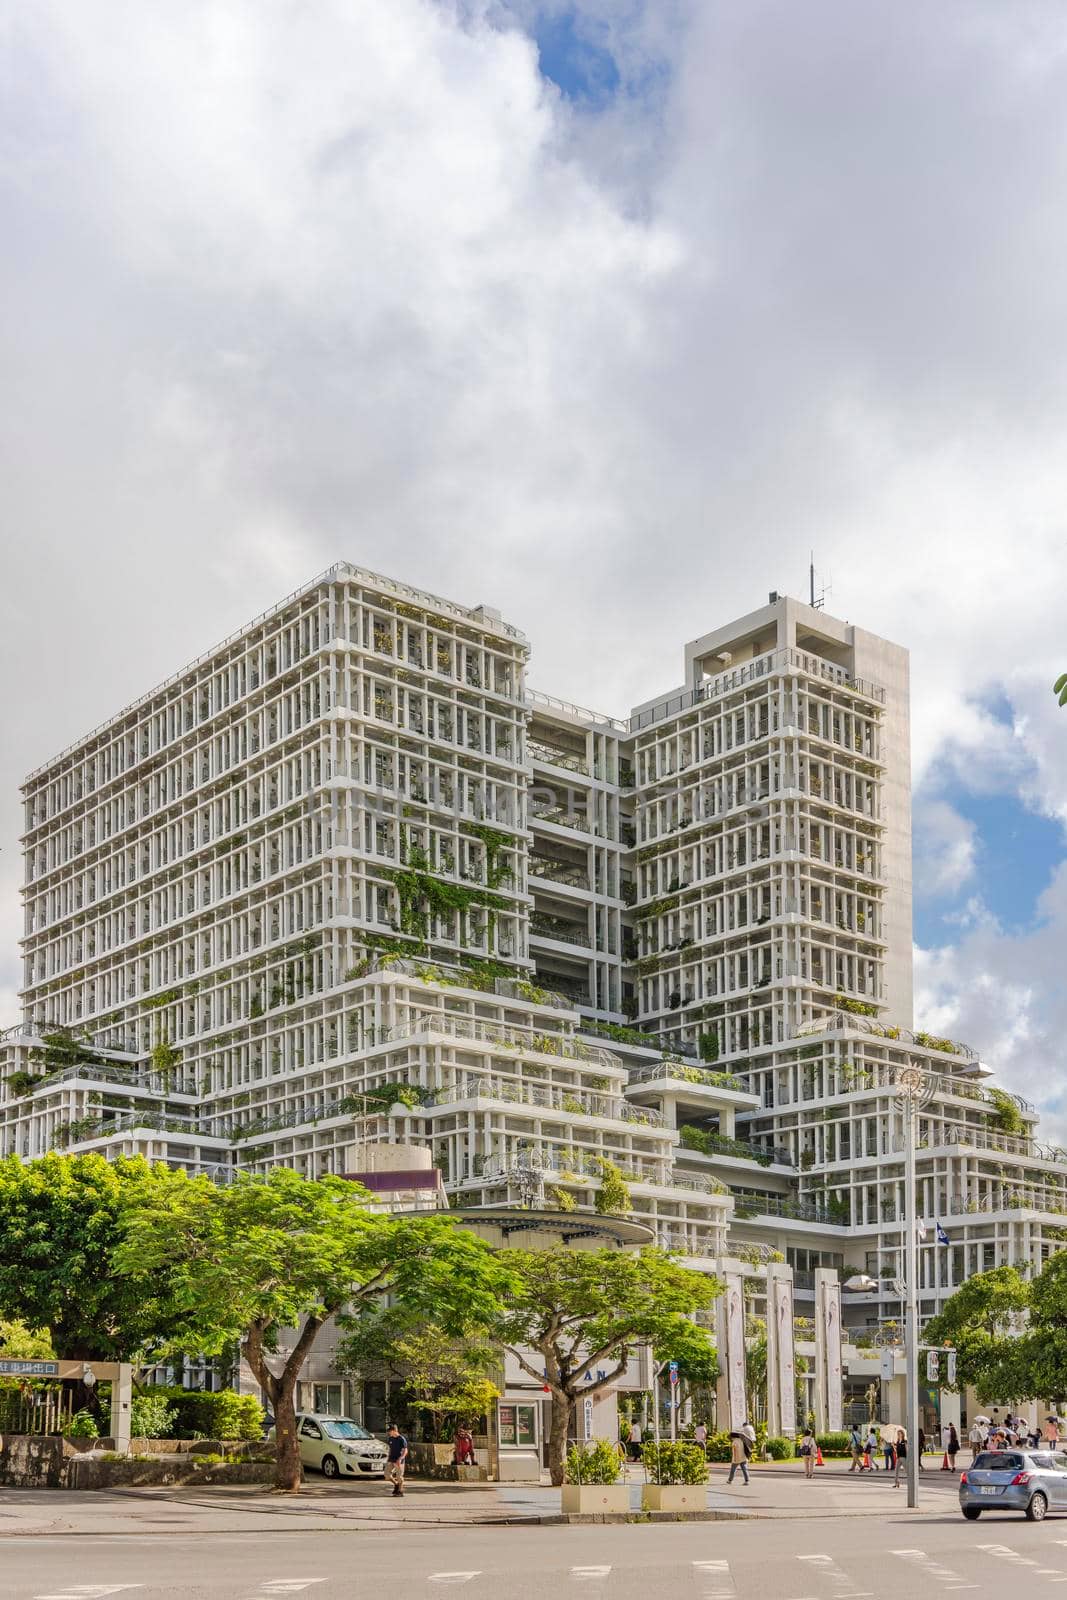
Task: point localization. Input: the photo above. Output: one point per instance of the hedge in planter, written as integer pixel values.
(834, 1444)
(719, 1447)
(596, 1463)
(780, 1449)
(672, 1462)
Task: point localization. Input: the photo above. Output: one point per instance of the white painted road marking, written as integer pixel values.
(933, 1569)
(452, 1577)
(87, 1591)
(840, 1579)
(289, 1585)
(719, 1578)
(583, 1574)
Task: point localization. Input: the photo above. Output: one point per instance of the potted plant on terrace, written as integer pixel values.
(677, 1476)
(592, 1482)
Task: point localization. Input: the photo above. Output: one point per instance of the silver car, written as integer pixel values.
(1014, 1479)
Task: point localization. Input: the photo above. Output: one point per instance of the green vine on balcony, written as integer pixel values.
(423, 895)
(497, 871)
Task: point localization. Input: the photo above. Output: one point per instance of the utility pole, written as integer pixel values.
(913, 1090)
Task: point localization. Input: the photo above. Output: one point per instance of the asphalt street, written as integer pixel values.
(893, 1556)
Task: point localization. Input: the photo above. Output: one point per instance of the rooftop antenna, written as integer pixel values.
(817, 600)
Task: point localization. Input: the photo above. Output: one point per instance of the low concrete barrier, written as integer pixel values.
(32, 1461)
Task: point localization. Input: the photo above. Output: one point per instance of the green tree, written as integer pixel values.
(19, 1343)
(437, 1373)
(278, 1252)
(584, 1312)
(61, 1226)
(978, 1321)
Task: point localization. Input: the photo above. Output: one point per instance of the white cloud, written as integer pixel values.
(282, 285)
(945, 849)
(1004, 992)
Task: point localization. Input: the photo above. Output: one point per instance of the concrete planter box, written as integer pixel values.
(674, 1497)
(592, 1498)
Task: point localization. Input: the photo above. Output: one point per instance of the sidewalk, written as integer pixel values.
(778, 1491)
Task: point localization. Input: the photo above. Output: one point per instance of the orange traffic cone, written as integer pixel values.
(944, 1463)
(818, 1456)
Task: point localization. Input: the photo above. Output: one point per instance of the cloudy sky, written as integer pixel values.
(605, 313)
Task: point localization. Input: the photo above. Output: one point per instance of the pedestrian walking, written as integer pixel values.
(700, 1436)
(856, 1444)
(871, 1454)
(953, 1446)
(739, 1453)
(921, 1447)
(889, 1452)
(635, 1441)
(976, 1438)
(807, 1453)
(900, 1455)
(398, 1455)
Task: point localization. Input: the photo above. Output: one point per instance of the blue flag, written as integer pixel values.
(942, 1236)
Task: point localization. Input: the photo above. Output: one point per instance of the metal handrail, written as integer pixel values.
(761, 667)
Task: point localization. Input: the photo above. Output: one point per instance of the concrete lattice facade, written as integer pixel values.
(347, 880)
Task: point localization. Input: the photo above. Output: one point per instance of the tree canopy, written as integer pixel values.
(61, 1226)
(586, 1311)
(1010, 1335)
(264, 1254)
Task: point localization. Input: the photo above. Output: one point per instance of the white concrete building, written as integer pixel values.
(346, 880)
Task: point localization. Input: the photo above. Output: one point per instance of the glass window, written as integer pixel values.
(310, 1430)
(328, 1400)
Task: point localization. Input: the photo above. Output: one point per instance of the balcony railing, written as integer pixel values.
(510, 1091)
(750, 1206)
(561, 817)
(570, 761)
(562, 932)
(776, 661)
(681, 1071)
(564, 1045)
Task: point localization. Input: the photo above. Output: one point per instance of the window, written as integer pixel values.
(310, 1430)
(329, 1399)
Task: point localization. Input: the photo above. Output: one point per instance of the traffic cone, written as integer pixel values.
(944, 1463)
(818, 1456)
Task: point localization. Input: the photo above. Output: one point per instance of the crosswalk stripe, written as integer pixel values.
(934, 1569)
(719, 1577)
(585, 1573)
(87, 1591)
(840, 1579)
(1006, 1553)
(452, 1577)
(289, 1585)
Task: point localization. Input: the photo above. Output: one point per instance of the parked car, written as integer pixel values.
(1031, 1481)
(338, 1447)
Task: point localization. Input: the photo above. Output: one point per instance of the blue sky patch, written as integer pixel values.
(1018, 852)
(582, 69)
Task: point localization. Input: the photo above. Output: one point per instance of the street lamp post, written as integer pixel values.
(913, 1090)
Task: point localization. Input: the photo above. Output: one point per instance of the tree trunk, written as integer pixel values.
(288, 1473)
(557, 1437)
(281, 1391)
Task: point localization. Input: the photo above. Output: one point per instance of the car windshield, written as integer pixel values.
(342, 1428)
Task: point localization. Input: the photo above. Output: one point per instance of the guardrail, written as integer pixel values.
(566, 1046)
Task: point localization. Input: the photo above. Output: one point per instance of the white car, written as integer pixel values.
(338, 1447)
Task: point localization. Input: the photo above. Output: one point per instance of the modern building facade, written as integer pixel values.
(348, 881)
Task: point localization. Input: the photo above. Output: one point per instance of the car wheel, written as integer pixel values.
(972, 1513)
(1035, 1511)
(330, 1469)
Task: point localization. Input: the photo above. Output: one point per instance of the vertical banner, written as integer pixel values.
(834, 1376)
(734, 1363)
(785, 1354)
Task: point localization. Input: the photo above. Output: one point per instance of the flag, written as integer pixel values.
(942, 1236)
(920, 1228)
